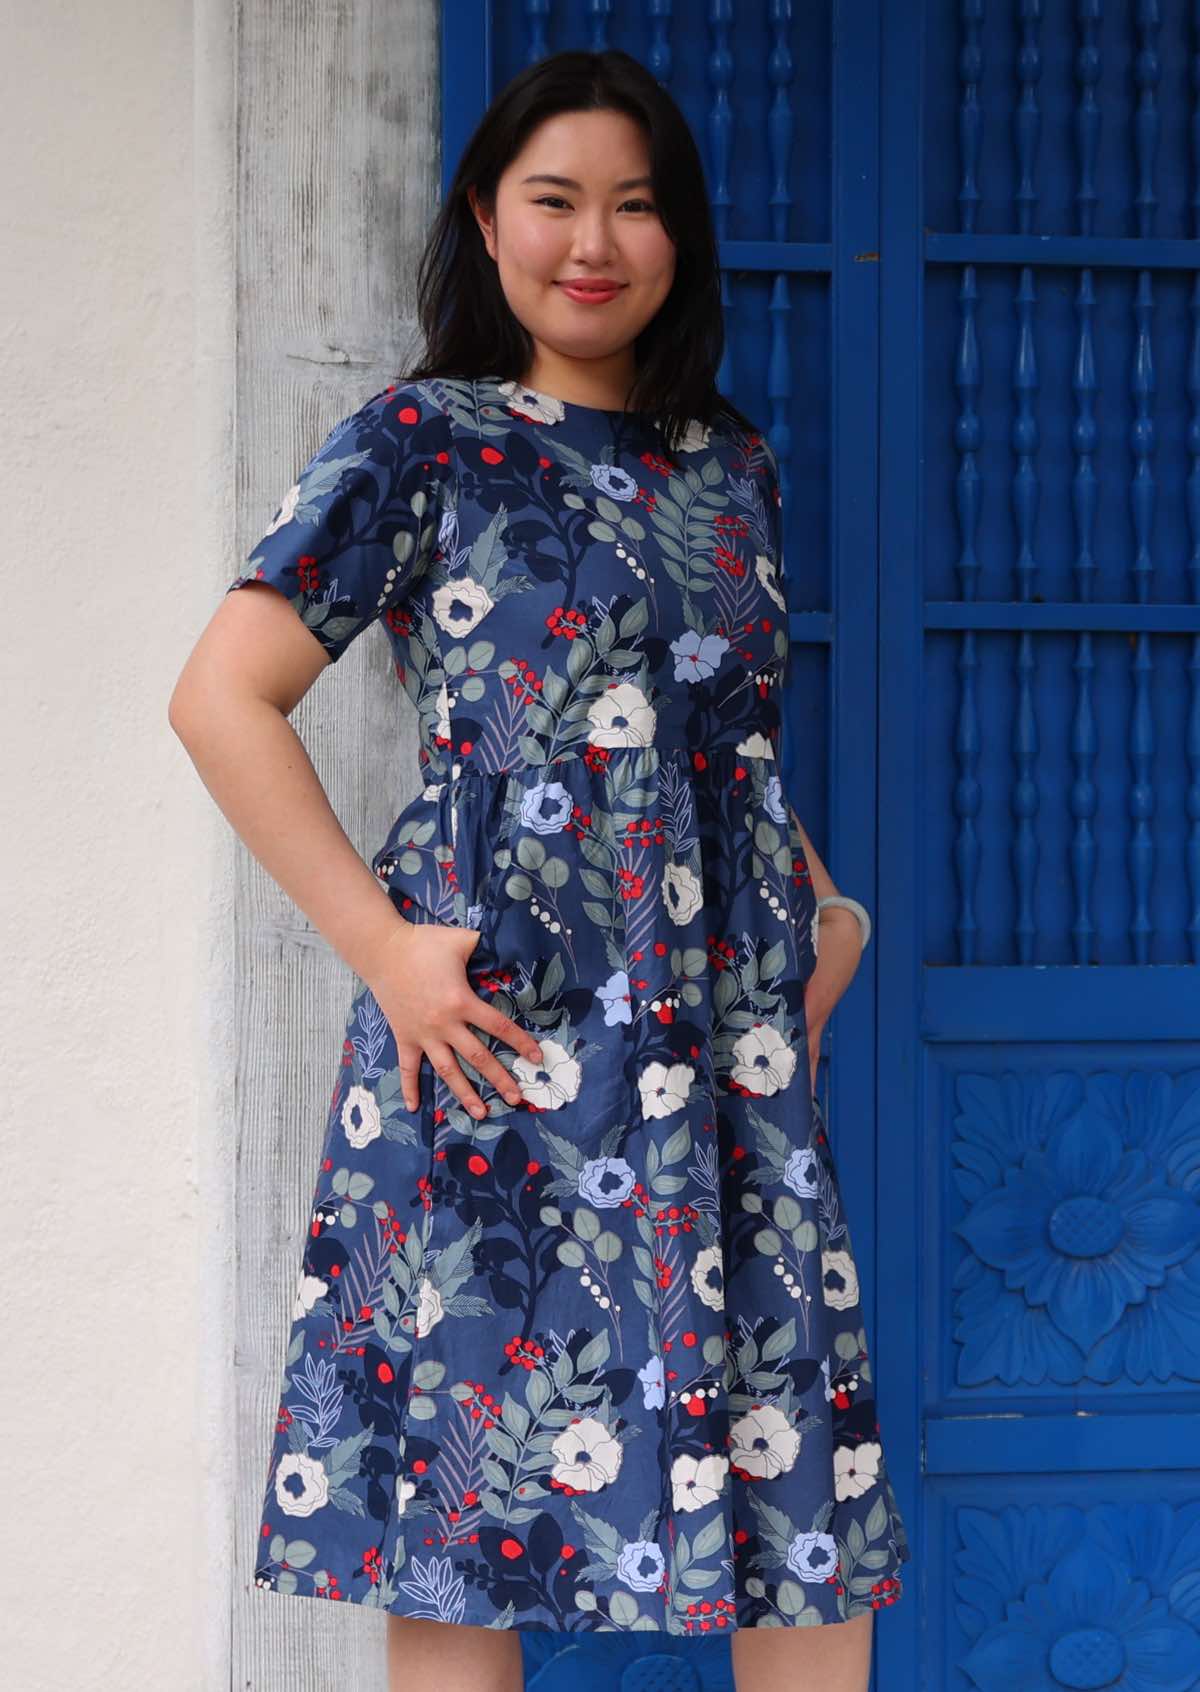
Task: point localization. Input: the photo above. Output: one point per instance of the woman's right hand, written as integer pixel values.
(421, 986)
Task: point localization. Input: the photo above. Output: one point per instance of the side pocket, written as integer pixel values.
(491, 901)
(804, 902)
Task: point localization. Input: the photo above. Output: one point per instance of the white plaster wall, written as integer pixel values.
(116, 325)
(130, 1471)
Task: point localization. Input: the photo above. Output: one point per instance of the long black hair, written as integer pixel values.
(468, 326)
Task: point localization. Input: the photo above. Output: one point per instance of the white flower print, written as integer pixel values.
(695, 436)
(756, 746)
(856, 1471)
(310, 1289)
(763, 1062)
(697, 1482)
(764, 569)
(839, 1277)
(301, 1484)
(813, 1556)
(552, 1082)
(430, 1308)
(459, 606)
(360, 1117)
(586, 1456)
(664, 1087)
(621, 716)
(764, 1443)
(800, 1172)
(542, 408)
(641, 1566)
(431, 790)
(287, 510)
(616, 483)
(708, 1277)
(405, 1489)
(682, 893)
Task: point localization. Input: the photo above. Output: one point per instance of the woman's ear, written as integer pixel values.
(485, 221)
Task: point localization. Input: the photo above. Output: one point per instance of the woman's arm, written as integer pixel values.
(230, 709)
(837, 955)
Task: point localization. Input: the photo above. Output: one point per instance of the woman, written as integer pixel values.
(577, 1340)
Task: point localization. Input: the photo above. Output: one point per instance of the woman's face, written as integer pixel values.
(576, 204)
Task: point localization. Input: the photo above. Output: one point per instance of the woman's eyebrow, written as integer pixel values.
(569, 182)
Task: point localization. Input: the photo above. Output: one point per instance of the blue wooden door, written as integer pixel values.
(960, 265)
(784, 102)
(1038, 843)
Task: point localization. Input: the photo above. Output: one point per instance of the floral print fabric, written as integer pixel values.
(596, 1362)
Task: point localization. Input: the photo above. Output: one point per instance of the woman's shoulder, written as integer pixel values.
(404, 399)
(405, 417)
(739, 439)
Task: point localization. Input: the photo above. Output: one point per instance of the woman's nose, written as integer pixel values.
(594, 239)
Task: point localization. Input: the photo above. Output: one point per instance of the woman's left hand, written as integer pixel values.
(838, 954)
(839, 949)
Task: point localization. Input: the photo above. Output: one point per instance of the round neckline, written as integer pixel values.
(572, 405)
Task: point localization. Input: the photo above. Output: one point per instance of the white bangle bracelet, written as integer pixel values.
(860, 911)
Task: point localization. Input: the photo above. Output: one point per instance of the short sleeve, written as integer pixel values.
(356, 530)
(773, 513)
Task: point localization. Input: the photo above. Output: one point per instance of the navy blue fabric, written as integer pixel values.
(596, 1362)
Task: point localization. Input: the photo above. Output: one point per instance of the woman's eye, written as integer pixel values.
(545, 200)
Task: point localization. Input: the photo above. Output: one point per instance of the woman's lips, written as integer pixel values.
(589, 295)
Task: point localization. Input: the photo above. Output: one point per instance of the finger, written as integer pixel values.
(447, 1066)
(477, 1054)
(410, 1075)
(492, 1021)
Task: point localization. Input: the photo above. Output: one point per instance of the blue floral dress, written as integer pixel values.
(597, 1361)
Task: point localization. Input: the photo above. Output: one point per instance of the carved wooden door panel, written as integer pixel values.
(1039, 857)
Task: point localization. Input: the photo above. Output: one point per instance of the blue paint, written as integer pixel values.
(788, 124)
(961, 271)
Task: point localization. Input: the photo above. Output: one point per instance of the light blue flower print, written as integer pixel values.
(545, 807)
(653, 1384)
(799, 1172)
(617, 484)
(773, 801)
(614, 996)
(640, 1565)
(698, 656)
(606, 1181)
(813, 1556)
